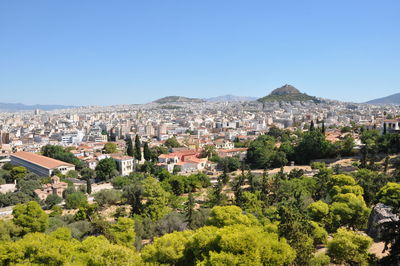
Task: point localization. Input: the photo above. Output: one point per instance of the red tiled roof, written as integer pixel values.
(41, 160)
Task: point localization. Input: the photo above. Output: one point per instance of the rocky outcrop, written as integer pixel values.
(379, 215)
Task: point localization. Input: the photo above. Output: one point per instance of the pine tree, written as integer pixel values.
(129, 147)
(189, 209)
(137, 150)
(146, 152)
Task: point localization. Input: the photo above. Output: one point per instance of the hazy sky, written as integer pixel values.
(113, 52)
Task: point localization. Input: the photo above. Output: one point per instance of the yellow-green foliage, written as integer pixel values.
(238, 244)
(348, 247)
(350, 210)
(59, 248)
(167, 249)
(30, 217)
(390, 194)
(228, 215)
(123, 232)
(318, 210)
(319, 234)
(342, 184)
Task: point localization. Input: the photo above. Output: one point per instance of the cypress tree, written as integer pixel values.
(312, 125)
(189, 209)
(323, 127)
(129, 147)
(88, 186)
(146, 152)
(137, 150)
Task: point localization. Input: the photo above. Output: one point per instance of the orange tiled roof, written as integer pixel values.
(41, 160)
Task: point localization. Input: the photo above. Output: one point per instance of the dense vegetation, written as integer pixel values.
(153, 217)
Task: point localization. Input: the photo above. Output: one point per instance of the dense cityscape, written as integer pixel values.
(205, 133)
(306, 182)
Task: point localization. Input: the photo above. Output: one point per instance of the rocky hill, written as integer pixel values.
(287, 93)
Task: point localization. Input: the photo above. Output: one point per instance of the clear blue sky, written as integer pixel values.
(117, 52)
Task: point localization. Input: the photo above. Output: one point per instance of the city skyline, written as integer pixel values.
(98, 53)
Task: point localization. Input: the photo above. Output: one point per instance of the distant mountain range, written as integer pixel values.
(287, 93)
(13, 107)
(178, 99)
(230, 98)
(391, 99)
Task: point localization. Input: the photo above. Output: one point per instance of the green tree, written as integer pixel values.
(75, 200)
(208, 151)
(318, 211)
(133, 193)
(8, 230)
(30, 217)
(146, 152)
(59, 153)
(296, 228)
(129, 147)
(221, 216)
(156, 199)
(123, 232)
(189, 210)
(228, 164)
(312, 127)
(59, 248)
(72, 174)
(168, 249)
(216, 196)
(369, 149)
(106, 169)
(349, 247)
(28, 187)
(18, 172)
(137, 152)
(341, 184)
(346, 146)
(320, 260)
(313, 145)
(52, 200)
(172, 143)
(237, 244)
(349, 210)
(260, 152)
(390, 194)
(371, 182)
(107, 197)
(252, 203)
(323, 178)
(87, 174)
(318, 234)
(110, 147)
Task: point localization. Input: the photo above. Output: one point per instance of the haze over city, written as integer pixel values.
(104, 53)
